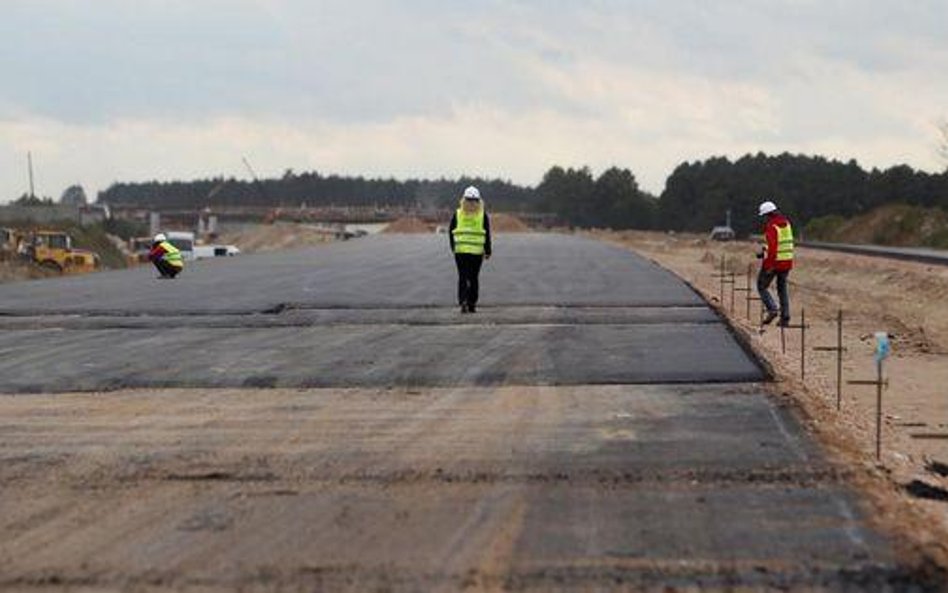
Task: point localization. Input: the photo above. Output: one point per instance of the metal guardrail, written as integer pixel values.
(928, 256)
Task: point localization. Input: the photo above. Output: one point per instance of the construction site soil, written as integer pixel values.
(275, 237)
(594, 426)
(409, 225)
(500, 222)
(13, 271)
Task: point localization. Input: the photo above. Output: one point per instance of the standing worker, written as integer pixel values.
(777, 261)
(469, 234)
(166, 257)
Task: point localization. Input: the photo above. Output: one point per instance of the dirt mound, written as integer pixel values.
(507, 223)
(408, 225)
(271, 237)
(499, 223)
(895, 224)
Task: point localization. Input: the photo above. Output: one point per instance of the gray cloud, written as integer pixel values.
(652, 82)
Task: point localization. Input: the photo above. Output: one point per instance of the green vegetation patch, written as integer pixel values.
(898, 225)
(94, 238)
(824, 228)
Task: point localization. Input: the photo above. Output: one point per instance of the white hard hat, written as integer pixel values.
(766, 208)
(160, 237)
(472, 193)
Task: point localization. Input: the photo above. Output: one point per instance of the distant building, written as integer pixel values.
(94, 213)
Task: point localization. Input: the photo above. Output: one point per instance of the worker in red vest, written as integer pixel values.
(777, 261)
(469, 236)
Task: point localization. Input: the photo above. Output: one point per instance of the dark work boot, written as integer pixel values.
(769, 316)
(471, 308)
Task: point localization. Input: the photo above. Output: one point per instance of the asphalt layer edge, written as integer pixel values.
(739, 335)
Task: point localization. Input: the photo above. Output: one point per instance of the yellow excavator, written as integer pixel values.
(53, 250)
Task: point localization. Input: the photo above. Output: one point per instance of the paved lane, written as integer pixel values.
(374, 272)
(557, 310)
(371, 356)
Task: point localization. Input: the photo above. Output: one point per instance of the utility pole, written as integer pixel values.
(29, 166)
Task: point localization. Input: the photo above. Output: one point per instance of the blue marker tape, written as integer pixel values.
(883, 348)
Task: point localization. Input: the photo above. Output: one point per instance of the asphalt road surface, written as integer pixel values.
(326, 420)
(370, 313)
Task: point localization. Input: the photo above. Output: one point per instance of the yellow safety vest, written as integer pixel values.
(172, 254)
(469, 234)
(784, 243)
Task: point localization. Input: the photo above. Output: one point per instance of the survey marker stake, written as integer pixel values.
(838, 349)
(726, 278)
(733, 283)
(749, 297)
(783, 340)
(882, 352)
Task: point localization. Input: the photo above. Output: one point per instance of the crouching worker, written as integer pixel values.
(166, 257)
(469, 236)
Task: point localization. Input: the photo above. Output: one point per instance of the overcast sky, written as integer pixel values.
(129, 90)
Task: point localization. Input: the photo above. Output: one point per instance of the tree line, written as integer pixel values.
(573, 195)
(315, 190)
(696, 196)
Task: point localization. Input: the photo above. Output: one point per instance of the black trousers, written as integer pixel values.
(469, 268)
(166, 269)
(764, 279)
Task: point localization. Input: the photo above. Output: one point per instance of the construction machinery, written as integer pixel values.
(53, 250)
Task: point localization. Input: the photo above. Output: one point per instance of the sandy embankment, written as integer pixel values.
(500, 223)
(276, 236)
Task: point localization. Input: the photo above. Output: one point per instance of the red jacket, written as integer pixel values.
(157, 252)
(770, 262)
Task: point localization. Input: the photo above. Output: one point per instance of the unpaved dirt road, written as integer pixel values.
(592, 428)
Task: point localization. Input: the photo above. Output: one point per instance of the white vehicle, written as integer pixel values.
(207, 251)
(184, 241)
(722, 233)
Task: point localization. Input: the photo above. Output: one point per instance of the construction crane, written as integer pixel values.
(256, 181)
(274, 213)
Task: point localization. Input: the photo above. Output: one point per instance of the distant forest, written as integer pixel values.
(313, 190)
(696, 196)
